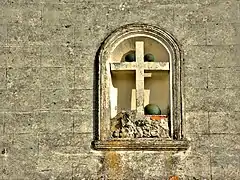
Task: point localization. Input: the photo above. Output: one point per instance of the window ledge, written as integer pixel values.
(141, 144)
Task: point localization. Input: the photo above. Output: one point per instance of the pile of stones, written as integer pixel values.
(126, 125)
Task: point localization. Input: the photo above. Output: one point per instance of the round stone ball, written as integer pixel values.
(130, 57)
(152, 109)
(149, 58)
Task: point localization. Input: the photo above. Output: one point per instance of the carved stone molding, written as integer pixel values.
(104, 139)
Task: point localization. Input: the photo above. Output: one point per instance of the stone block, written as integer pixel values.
(22, 34)
(81, 143)
(225, 143)
(197, 167)
(58, 13)
(83, 78)
(21, 13)
(195, 77)
(200, 144)
(83, 122)
(190, 34)
(24, 145)
(132, 165)
(90, 37)
(21, 157)
(3, 78)
(225, 166)
(232, 77)
(65, 143)
(211, 56)
(218, 100)
(223, 122)
(163, 2)
(57, 121)
(59, 2)
(24, 123)
(87, 14)
(56, 99)
(3, 34)
(235, 51)
(233, 99)
(6, 141)
(7, 11)
(26, 2)
(221, 11)
(26, 100)
(129, 164)
(222, 56)
(67, 55)
(155, 167)
(56, 78)
(85, 57)
(190, 13)
(1, 124)
(6, 100)
(15, 56)
(3, 56)
(52, 56)
(118, 14)
(198, 56)
(197, 123)
(217, 78)
(55, 142)
(29, 56)
(82, 99)
(57, 35)
(19, 78)
(222, 34)
(29, 13)
(196, 99)
(56, 166)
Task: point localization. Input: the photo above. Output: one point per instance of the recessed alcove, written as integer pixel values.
(123, 90)
(123, 87)
(130, 81)
(157, 91)
(150, 46)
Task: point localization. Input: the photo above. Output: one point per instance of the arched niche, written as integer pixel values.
(130, 86)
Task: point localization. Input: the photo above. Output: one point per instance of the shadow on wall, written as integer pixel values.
(95, 95)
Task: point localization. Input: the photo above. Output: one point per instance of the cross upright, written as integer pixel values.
(140, 77)
(139, 66)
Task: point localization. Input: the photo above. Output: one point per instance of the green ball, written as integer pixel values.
(152, 109)
(130, 57)
(149, 58)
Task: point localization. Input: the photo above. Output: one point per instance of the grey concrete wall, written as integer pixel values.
(47, 51)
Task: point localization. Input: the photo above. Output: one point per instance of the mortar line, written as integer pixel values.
(72, 169)
(207, 77)
(4, 116)
(210, 161)
(206, 33)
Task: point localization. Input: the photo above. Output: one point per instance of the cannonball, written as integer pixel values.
(149, 58)
(130, 57)
(152, 109)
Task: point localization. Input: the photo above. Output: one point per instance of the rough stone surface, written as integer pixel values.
(47, 52)
(127, 125)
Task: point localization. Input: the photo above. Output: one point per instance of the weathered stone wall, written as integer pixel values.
(47, 52)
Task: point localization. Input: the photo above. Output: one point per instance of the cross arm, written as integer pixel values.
(147, 66)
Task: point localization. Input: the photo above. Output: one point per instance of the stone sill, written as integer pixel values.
(141, 144)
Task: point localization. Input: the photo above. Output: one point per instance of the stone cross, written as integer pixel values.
(140, 66)
(140, 77)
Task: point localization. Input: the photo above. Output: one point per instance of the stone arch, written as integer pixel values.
(105, 55)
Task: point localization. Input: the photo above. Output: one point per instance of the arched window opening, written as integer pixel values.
(140, 97)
